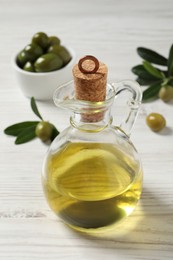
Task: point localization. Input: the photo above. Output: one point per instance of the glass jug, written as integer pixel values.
(92, 174)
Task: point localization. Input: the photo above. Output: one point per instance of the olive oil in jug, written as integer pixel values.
(91, 185)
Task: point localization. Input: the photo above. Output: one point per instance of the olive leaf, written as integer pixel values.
(140, 71)
(26, 135)
(34, 108)
(170, 62)
(152, 91)
(144, 77)
(152, 56)
(55, 132)
(17, 128)
(145, 82)
(152, 70)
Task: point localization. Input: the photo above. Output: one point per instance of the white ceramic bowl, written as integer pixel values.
(41, 86)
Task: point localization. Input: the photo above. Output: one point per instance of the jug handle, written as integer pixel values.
(134, 102)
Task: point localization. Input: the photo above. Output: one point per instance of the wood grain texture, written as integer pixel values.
(110, 30)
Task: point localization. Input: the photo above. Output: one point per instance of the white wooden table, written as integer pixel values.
(110, 30)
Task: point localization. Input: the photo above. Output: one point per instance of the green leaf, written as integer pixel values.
(170, 62)
(152, 56)
(144, 77)
(16, 129)
(34, 108)
(26, 135)
(146, 82)
(140, 71)
(152, 70)
(55, 132)
(152, 91)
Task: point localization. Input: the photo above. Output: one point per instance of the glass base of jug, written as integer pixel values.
(97, 216)
(96, 229)
(91, 186)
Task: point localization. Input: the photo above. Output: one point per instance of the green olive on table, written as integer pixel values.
(29, 67)
(166, 93)
(44, 130)
(41, 39)
(48, 62)
(53, 40)
(62, 52)
(156, 122)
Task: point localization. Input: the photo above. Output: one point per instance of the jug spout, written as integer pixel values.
(64, 96)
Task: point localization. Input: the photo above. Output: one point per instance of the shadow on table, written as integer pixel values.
(166, 131)
(151, 223)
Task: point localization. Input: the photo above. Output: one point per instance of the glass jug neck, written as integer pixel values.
(87, 116)
(91, 121)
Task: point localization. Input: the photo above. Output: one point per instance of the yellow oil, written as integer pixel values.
(91, 185)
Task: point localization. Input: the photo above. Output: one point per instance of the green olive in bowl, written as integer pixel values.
(62, 52)
(41, 39)
(53, 40)
(29, 67)
(22, 58)
(48, 62)
(30, 53)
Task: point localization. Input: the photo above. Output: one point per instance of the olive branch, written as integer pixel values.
(154, 77)
(28, 130)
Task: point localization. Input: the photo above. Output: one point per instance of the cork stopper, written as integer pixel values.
(90, 79)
